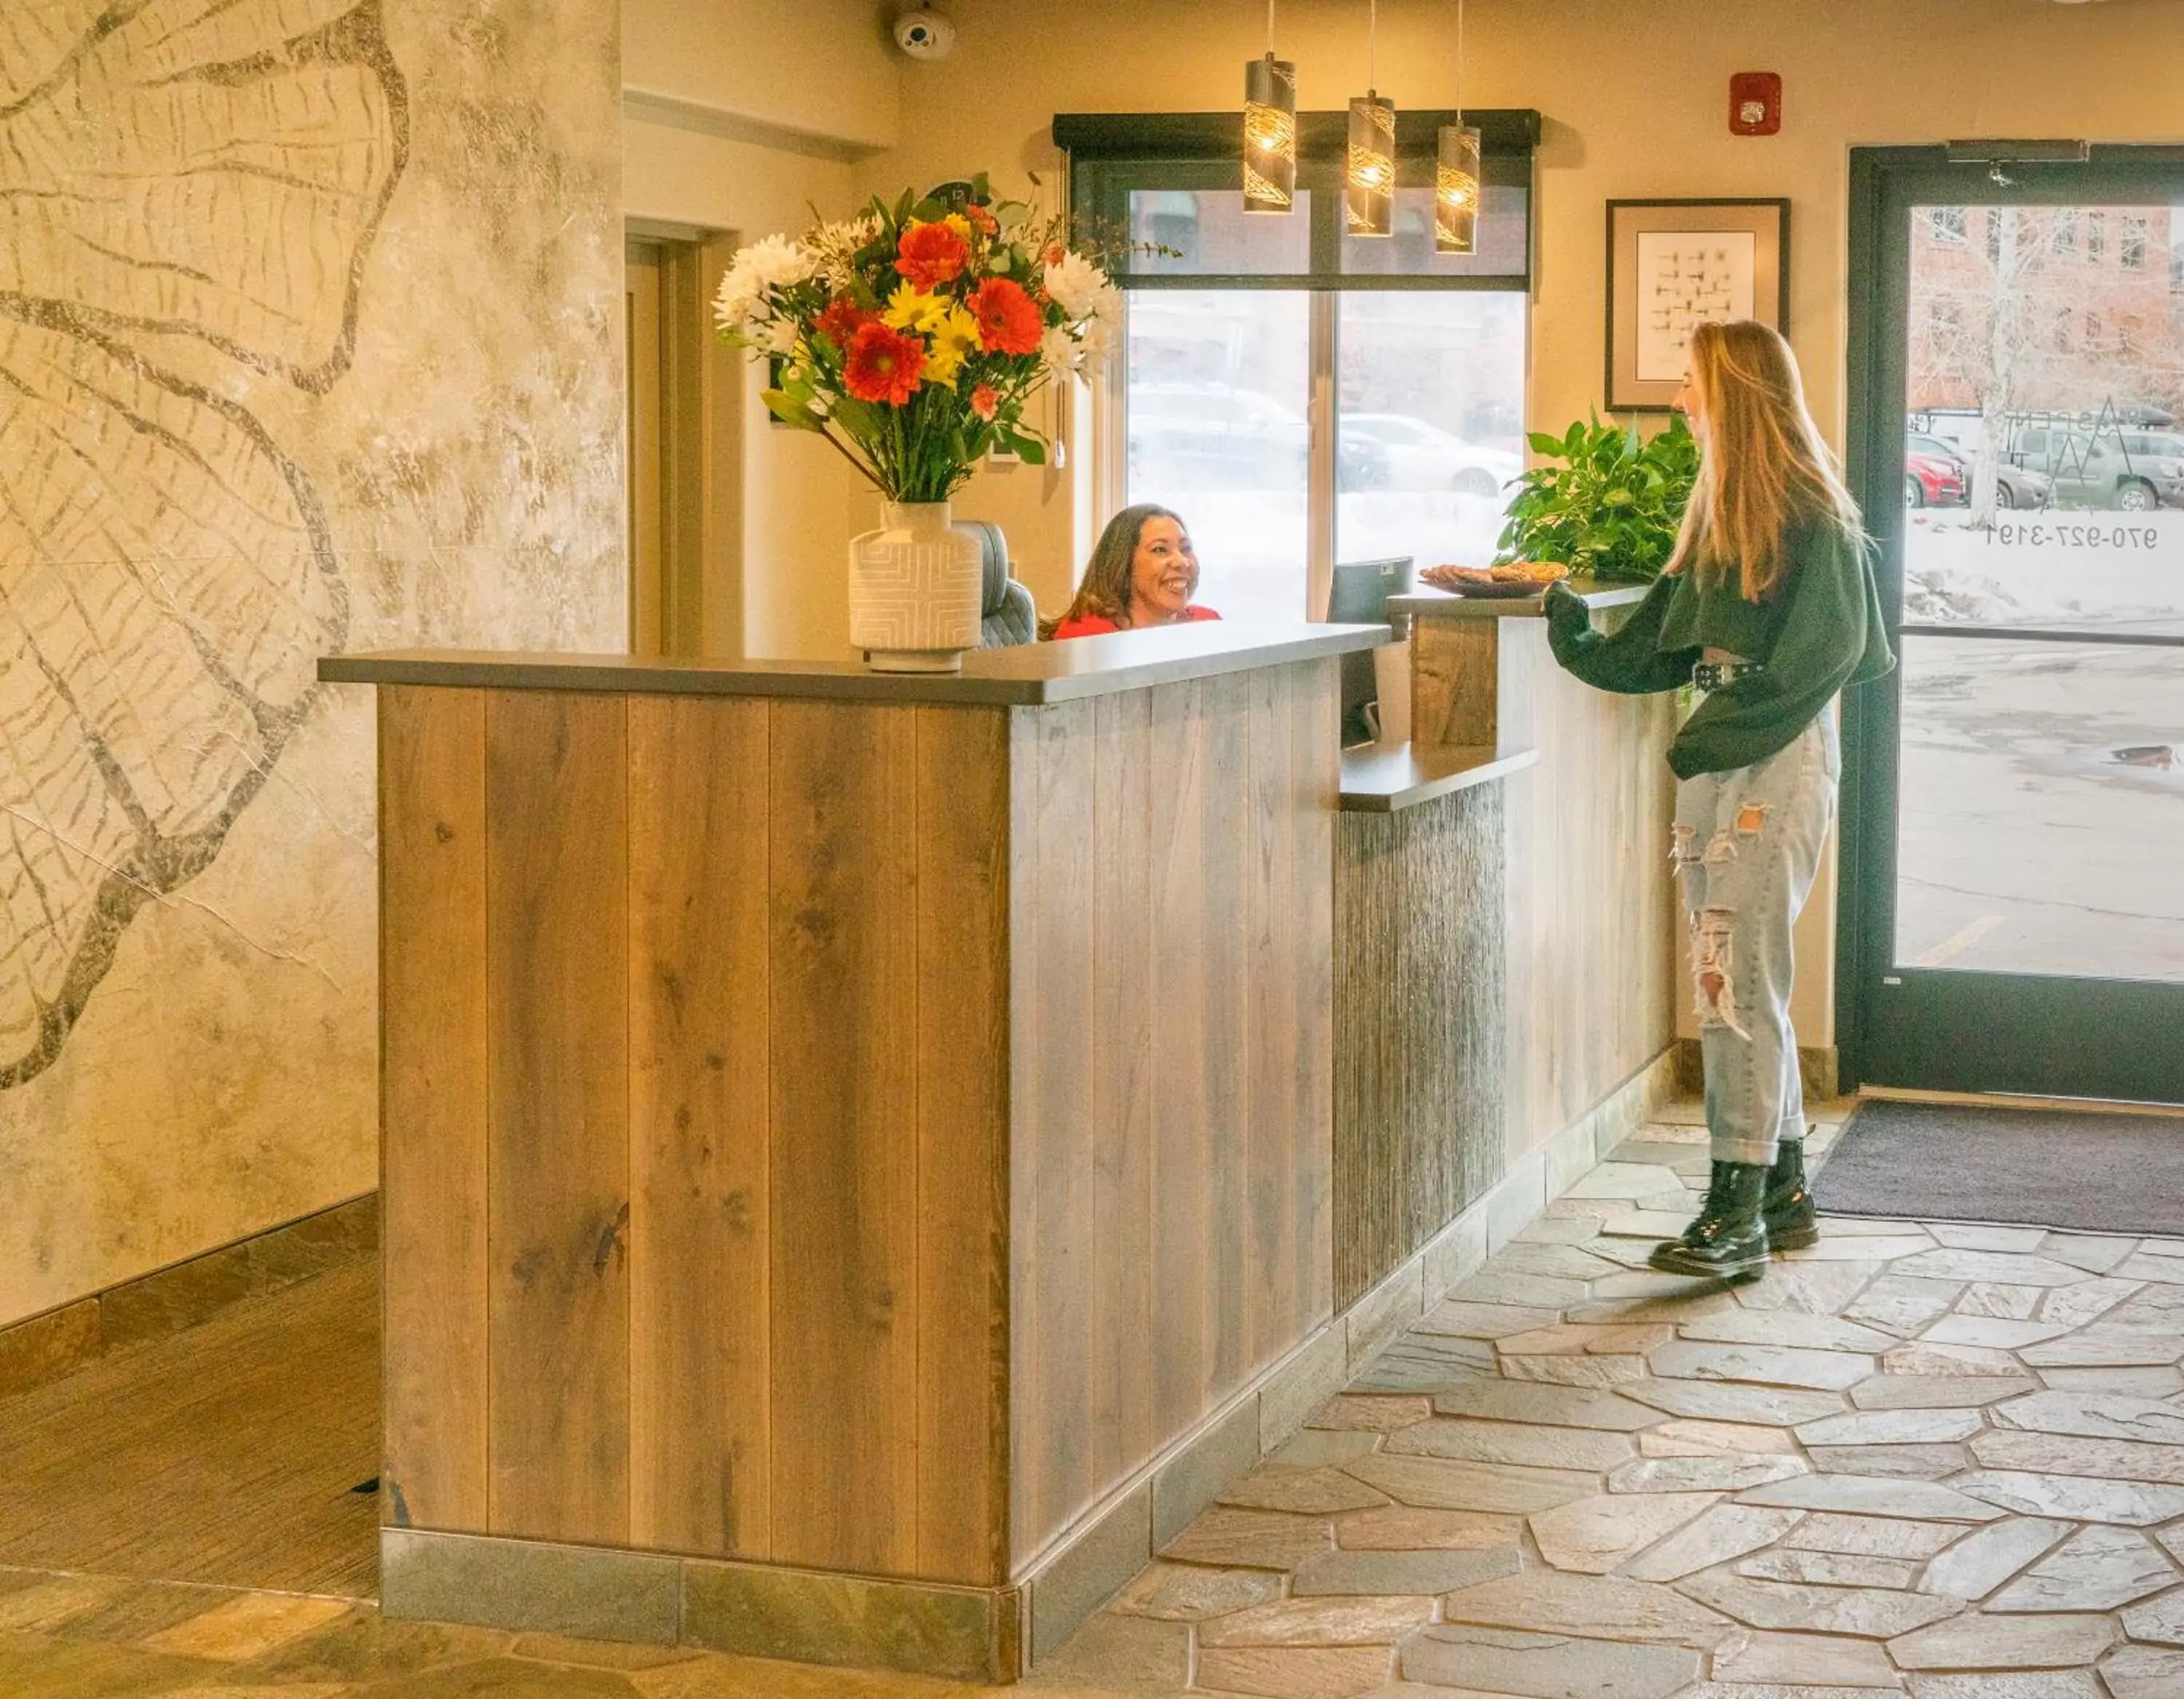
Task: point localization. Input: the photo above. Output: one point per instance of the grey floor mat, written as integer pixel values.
(2046, 1167)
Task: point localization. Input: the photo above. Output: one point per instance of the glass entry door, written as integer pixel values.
(2013, 891)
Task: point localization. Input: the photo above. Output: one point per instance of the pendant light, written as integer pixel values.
(1369, 163)
(1456, 174)
(1269, 130)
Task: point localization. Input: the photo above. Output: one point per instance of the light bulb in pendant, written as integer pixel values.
(1269, 135)
(1455, 191)
(1369, 167)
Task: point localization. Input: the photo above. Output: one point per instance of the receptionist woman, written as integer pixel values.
(1143, 572)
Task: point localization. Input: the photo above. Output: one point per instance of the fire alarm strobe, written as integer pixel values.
(1755, 103)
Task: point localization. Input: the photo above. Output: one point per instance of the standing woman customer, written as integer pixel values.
(1768, 606)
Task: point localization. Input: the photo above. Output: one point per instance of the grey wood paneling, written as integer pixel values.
(1420, 1003)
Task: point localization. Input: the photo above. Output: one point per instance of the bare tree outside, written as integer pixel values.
(2050, 313)
(1981, 328)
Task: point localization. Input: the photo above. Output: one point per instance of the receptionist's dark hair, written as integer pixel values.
(1105, 589)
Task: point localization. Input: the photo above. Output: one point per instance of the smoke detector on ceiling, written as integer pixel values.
(924, 34)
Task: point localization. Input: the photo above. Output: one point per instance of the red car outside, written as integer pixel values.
(1931, 481)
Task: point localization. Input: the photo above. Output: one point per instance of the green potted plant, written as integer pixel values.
(1607, 504)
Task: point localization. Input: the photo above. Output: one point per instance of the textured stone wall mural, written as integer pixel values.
(308, 340)
(169, 575)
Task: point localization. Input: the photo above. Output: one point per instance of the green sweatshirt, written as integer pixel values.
(1821, 630)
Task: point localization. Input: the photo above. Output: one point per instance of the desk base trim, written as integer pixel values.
(756, 1610)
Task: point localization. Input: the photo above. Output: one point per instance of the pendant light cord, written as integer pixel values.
(1270, 29)
(1459, 60)
(1372, 46)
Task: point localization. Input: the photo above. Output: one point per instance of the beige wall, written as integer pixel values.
(258, 426)
(824, 69)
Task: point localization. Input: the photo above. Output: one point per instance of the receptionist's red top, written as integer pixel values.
(1092, 625)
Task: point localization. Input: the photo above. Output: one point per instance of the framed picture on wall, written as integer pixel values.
(1673, 265)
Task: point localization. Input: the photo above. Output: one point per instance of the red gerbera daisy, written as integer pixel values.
(842, 320)
(882, 365)
(985, 401)
(1008, 320)
(931, 255)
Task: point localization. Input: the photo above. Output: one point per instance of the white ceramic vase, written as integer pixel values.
(916, 590)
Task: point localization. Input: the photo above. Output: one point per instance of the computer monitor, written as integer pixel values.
(1360, 598)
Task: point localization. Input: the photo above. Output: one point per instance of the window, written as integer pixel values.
(2132, 248)
(1298, 395)
(1218, 392)
(1430, 398)
(1946, 223)
(2096, 237)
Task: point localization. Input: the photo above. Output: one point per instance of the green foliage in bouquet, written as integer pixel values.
(1609, 505)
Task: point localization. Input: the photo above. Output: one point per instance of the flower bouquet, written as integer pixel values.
(911, 338)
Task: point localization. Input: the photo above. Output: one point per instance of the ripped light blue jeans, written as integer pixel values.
(1748, 847)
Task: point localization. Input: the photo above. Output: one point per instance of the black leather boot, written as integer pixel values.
(1730, 1237)
(1792, 1222)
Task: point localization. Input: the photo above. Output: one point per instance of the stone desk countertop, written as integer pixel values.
(1029, 675)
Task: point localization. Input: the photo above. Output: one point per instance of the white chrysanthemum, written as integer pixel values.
(777, 260)
(1075, 283)
(780, 336)
(834, 247)
(1058, 353)
(763, 266)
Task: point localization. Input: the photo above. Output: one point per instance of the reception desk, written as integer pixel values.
(858, 1150)
(868, 1160)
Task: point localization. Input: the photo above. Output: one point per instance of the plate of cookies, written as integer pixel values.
(1518, 578)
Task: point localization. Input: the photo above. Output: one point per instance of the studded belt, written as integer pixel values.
(1711, 675)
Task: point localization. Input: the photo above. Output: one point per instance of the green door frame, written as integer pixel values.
(1940, 1028)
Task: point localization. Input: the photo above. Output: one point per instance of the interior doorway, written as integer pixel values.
(2013, 916)
(683, 449)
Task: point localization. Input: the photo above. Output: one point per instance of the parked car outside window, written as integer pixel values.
(1210, 437)
(2014, 487)
(1932, 480)
(2134, 471)
(1421, 455)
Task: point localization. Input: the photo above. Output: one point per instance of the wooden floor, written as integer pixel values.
(224, 1455)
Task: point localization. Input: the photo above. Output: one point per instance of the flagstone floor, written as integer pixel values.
(1938, 1460)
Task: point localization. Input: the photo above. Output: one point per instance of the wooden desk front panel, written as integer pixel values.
(1171, 997)
(694, 1116)
(1593, 920)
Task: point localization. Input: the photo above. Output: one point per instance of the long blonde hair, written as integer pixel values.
(1764, 466)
